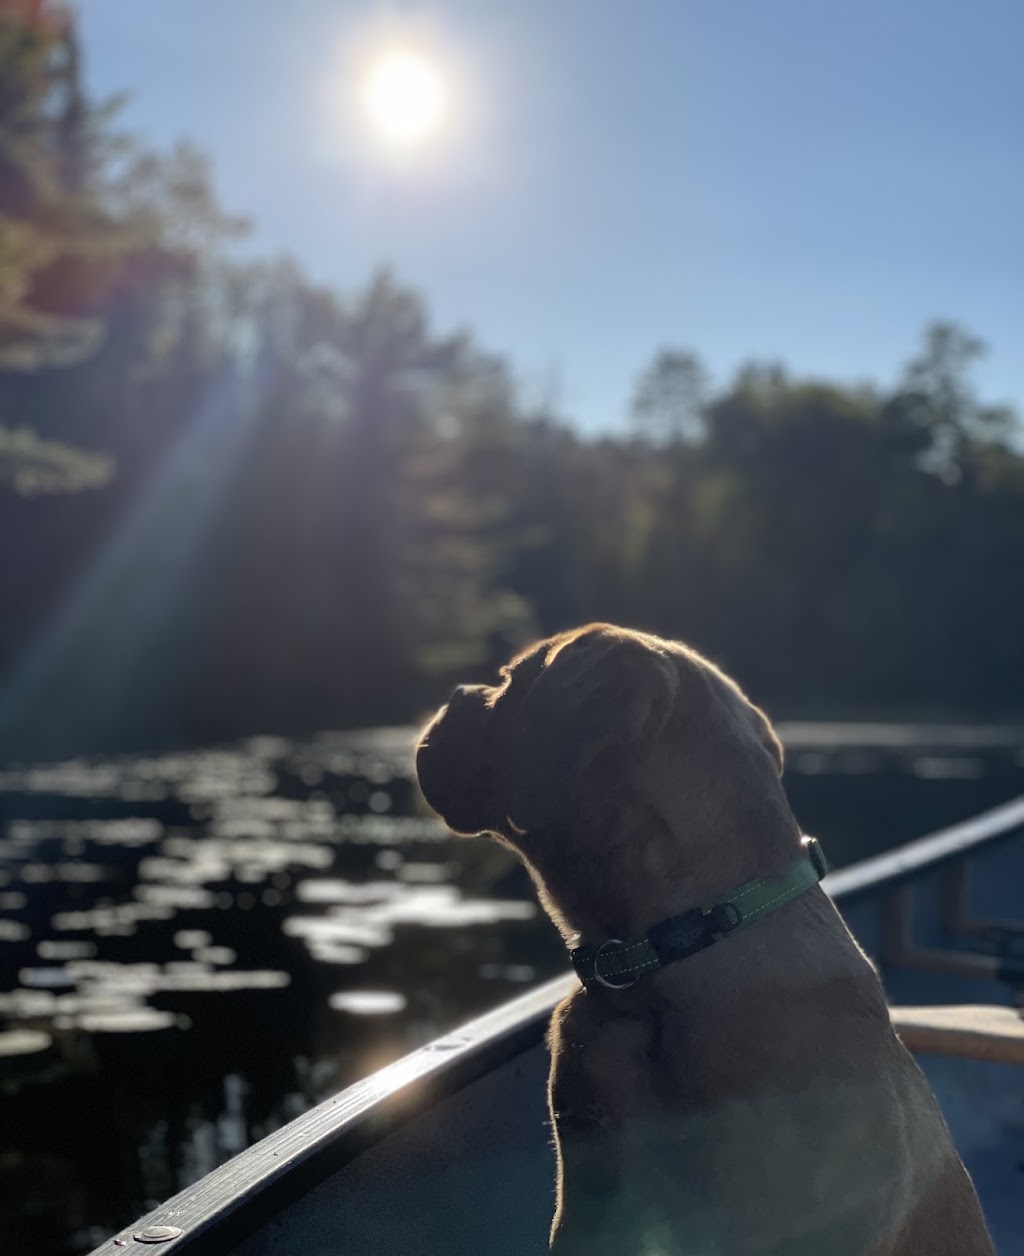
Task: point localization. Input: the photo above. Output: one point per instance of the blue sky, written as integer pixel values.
(810, 180)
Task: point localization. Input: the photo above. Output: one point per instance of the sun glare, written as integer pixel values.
(405, 97)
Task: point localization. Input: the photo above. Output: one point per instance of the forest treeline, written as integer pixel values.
(234, 501)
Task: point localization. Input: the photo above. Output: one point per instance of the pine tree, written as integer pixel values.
(60, 248)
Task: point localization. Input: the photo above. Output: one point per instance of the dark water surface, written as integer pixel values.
(196, 947)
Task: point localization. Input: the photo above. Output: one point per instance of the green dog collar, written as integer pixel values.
(620, 962)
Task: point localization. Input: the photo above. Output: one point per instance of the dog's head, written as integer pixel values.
(578, 715)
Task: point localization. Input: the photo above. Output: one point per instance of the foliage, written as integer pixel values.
(54, 239)
(77, 230)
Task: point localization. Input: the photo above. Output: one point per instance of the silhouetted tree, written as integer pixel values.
(670, 396)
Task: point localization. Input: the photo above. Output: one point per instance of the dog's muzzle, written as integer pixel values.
(452, 763)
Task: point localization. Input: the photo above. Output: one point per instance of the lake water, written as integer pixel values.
(196, 947)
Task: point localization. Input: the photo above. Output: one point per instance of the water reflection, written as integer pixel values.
(23, 1041)
(368, 1002)
(195, 947)
(172, 934)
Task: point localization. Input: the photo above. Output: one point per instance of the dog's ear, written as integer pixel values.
(600, 688)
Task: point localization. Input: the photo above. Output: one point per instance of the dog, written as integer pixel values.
(743, 1093)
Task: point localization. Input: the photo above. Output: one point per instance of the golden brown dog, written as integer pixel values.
(751, 1098)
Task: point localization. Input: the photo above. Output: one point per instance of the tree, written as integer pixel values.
(365, 538)
(937, 395)
(670, 396)
(86, 219)
(58, 247)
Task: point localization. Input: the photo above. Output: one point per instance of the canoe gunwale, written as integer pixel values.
(282, 1167)
(924, 854)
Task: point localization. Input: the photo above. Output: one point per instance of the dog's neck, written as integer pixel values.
(647, 871)
(791, 955)
(645, 876)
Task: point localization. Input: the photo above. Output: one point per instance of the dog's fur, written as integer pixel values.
(752, 1099)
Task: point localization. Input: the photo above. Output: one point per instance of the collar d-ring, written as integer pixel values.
(611, 985)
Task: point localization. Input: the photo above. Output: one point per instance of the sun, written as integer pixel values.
(404, 97)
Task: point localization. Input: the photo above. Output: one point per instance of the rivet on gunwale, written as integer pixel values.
(158, 1234)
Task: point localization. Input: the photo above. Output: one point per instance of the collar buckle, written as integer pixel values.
(723, 918)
